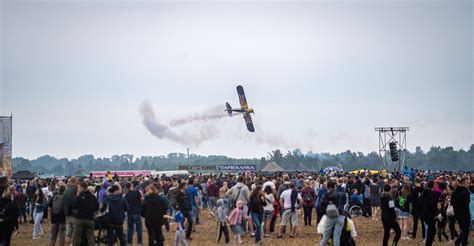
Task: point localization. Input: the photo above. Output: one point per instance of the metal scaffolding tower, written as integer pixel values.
(396, 135)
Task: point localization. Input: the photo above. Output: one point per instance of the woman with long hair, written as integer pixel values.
(10, 217)
(309, 199)
(450, 213)
(404, 206)
(39, 206)
(268, 209)
(256, 203)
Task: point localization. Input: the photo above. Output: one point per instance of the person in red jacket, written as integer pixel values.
(309, 198)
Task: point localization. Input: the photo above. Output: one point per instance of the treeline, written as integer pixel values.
(436, 158)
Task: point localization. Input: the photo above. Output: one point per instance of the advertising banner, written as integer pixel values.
(6, 145)
(238, 168)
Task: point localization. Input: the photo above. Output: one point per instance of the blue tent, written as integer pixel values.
(331, 169)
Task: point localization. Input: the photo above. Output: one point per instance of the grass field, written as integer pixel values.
(369, 233)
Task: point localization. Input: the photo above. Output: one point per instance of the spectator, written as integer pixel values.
(268, 209)
(428, 208)
(309, 198)
(236, 221)
(331, 206)
(116, 206)
(389, 217)
(241, 192)
(58, 218)
(460, 201)
(321, 192)
(450, 213)
(416, 193)
(153, 210)
(257, 201)
(193, 197)
(185, 207)
(290, 200)
(213, 193)
(134, 200)
(10, 216)
(221, 222)
(404, 207)
(375, 197)
(85, 207)
(39, 206)
(22, 199)
(69, 199)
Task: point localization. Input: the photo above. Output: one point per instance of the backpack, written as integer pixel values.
(173, 194)
(308, 197)
(332, 211)
(57, 206)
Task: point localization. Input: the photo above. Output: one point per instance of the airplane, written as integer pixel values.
(244, 109)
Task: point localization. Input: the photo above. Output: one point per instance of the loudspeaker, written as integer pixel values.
(393, 151)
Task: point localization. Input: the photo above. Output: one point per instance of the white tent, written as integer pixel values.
(272, 167)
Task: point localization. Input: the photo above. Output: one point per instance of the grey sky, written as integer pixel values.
(319, 74)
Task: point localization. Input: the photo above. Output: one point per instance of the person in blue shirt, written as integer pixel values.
(356, 198)
(181, 223)
(193, 200)
(321, 193)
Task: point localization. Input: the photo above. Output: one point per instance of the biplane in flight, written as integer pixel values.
(244, 109)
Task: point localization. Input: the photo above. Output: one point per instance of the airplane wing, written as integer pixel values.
(242, 99)
(248, 122)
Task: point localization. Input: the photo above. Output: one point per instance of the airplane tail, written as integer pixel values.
(228, 108)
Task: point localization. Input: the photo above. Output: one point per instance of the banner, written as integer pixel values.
(238, 168)
(6, 145)
(197, 168)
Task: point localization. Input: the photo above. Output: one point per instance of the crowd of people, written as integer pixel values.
(84, 211)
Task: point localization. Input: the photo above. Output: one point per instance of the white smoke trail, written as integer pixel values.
(195, 137)
(214, 113)
(203, 129)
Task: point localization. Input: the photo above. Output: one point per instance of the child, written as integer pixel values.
(355, 198)
(181, 223)
(236, 220)
(221, 221)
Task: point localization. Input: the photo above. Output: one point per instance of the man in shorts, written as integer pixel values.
(290, 201)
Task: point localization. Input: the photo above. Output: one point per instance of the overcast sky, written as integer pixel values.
(319, 74)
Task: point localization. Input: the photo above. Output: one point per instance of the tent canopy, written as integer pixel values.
(81, 173)
(331, 169)
(23, 175)
(272, 167)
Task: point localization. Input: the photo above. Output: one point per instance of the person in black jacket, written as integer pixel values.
(185, 207)
(85, 206)
(389, 217)
(134, 200)
(10, 216)
(153, 209)
(416, 191)
(428, 208)
(116, 206)
(460, 202)
(58, 218)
